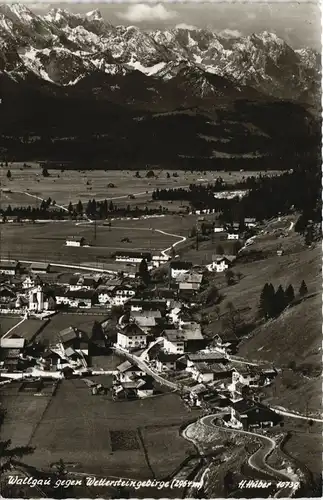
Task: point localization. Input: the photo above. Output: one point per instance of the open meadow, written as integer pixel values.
(60, 321)
(47, 241)
(134, 439)
(27, 328)
(7, 322)
(27, 185)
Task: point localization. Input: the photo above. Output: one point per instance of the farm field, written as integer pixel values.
(97, 434)
(47, 241)
(63, 320)
(7, 322)
(67, 186)
(28, 328)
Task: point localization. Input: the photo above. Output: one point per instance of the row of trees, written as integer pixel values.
(105, 208)
(33, 213)
(272, 303)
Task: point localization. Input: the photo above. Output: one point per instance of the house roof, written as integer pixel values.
(74, 280)
(131, 330)
(199, 388)
(204, 367)
(132, 384)
(5, 291)
(138, 255)
(246, 405)
(12, 343)
(69, 333)
(201, 356)
(41, 266)
(50, 354)
(177, 264)
(164, 357)
(70, 352)
(194, 278)
(125, 366)
(79, 294)
(8, 264)
(148, 304)
(145, 321)
(147, 314)
(145, 384)
(174, 335)
(75, 238)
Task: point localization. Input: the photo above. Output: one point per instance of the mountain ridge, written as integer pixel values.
(63, 48)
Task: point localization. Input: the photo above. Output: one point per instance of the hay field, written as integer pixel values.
(72, 185)
(60, 321)
(7, 322)
(46, 242)
(98, 435)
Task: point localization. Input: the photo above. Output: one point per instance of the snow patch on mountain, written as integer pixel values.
(149, 71)
(32, 62)
(94, 15)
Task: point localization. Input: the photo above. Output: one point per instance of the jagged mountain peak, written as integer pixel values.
(94, 15)
(262, 61)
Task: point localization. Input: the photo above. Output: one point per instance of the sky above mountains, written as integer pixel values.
(298, 23)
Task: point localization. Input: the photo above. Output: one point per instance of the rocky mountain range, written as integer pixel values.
(64, 48)
(73, 86)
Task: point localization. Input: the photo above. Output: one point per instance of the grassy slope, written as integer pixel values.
(295, 335)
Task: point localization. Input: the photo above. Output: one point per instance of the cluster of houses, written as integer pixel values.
(68, 352)
(36, 289)
(130, 382)
(166, 337)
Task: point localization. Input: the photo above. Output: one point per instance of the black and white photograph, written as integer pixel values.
(160, 250)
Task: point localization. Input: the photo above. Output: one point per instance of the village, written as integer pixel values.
(160, 344)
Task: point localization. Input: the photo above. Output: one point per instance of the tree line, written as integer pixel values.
(44, 211)
(273, 302)
(105, 208)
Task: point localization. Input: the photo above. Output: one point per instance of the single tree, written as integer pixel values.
(9, 174)
(70, 208)
(45, 172)
(289, 294)
(309, 234)
(172, 252)
(168, 175)
(232, 320)
(217, 311)
(62, 491)
(229, 276)
(229, 483)
(264, 309)
(280, 301)
(143, 271)
(303, 289)
(79, 208)
(219, 249)
(8, 453)
(97, 331)
(212, 295)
